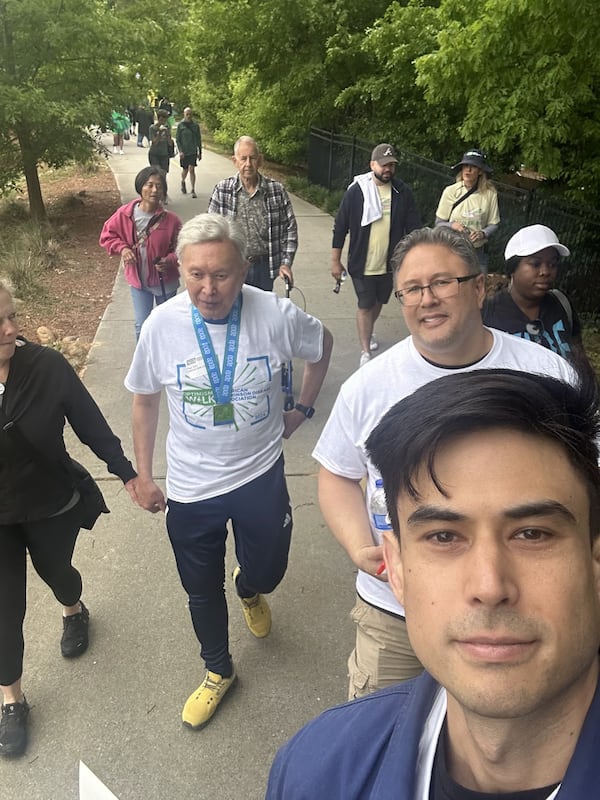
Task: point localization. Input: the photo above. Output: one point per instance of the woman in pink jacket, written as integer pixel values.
(145, 236)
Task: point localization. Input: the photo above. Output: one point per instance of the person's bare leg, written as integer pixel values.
(192, 173)
(12, 693)
(365, 321)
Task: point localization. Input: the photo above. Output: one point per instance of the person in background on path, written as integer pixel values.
(530, 307)
(263, 209)
(218, 350)
(189, 144)
(440, 288)
(470, 206)
(145, 118)
(120, 124)
(162, 146)
(377, 210)
(144, 234)
(40, 507)
(493, 492)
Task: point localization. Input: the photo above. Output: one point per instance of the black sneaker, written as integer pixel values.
(74, 641)
(13, 728)
(194, 195)
(183, 189)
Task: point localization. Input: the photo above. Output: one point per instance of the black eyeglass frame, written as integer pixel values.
(399, 294)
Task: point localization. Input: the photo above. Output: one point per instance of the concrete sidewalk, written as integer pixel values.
(118, 707)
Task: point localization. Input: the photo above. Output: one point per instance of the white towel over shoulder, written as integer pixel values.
(372, 209)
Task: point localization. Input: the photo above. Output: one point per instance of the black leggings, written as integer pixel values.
(50, 543)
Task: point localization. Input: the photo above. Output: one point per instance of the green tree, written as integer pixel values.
(60, 73)
(526, 75)
(264, 66)
(383, 101)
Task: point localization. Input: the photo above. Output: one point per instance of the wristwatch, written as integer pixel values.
(308, 411)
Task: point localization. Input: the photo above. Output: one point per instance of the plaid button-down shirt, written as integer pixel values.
(282, 226)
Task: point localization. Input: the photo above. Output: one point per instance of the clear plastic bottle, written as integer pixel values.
(378, 508)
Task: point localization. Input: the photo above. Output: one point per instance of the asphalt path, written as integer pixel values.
(118, 707)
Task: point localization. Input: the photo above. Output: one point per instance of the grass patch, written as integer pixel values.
(315, 195)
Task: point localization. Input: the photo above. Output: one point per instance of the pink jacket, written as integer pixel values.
(118, 232)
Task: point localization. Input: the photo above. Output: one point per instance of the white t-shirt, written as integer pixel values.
(204, 460)
(371, 391)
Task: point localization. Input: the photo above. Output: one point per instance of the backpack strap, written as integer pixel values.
(566, 304)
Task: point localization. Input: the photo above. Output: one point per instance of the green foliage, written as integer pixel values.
(60, 73)
(525, 77)
(328, 201)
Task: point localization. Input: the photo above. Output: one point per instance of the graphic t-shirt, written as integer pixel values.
(552, 329)
(205, 459)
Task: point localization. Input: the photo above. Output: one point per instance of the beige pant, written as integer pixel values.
(382, 655)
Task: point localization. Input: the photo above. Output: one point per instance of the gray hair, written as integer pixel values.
(7, 287)
(442, 235)
(246, 140)
(211, 228)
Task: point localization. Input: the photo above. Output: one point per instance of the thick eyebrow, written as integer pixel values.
(538, 508)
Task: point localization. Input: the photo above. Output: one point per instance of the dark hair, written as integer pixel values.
(412, 432)
(442, 235)
(142, 177)
(511, 264)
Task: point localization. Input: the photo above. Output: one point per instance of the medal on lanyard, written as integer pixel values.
(221, 381)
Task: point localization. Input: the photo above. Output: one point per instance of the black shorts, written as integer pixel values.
(372, 289)
(187, 161)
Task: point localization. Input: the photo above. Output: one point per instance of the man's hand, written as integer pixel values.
(285, 272)
(148, 495)
(337, 268)
(369, 558)
(291, 422)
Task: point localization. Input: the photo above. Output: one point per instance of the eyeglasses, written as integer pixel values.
(440, 289)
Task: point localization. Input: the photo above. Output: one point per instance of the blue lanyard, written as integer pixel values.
(221, 382)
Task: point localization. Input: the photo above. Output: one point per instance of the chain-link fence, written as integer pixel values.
(334, 159)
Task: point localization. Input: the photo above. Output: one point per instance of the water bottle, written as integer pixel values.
(378, 508)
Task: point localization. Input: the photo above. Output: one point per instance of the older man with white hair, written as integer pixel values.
(218, 350)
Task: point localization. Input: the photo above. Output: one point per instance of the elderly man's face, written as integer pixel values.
(214, 273)
(247, 161)
(499, 579)
(188, 114)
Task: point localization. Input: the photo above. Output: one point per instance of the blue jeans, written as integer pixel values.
(261, 518)
(143, 303)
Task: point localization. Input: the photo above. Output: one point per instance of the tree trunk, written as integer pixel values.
(37, 208)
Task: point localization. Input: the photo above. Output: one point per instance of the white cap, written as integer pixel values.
(531, 240)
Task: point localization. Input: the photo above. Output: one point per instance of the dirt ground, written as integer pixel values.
(79, 287)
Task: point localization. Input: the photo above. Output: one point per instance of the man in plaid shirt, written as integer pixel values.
(263, 208)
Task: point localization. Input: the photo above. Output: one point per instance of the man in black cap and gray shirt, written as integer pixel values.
(377, 210)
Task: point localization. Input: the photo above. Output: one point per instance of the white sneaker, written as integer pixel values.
(364, 359)
(373, 344)
(121, 152)
(115, 150)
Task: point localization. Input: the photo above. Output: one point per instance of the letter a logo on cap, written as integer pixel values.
(388, 151)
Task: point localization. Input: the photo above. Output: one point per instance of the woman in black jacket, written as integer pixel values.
(40, 507)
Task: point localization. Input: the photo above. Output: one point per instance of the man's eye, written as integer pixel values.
(442, 537)
(441, 282)
(411, 291)
(532, 534)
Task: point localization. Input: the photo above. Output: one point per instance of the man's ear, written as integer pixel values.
(392, 555)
